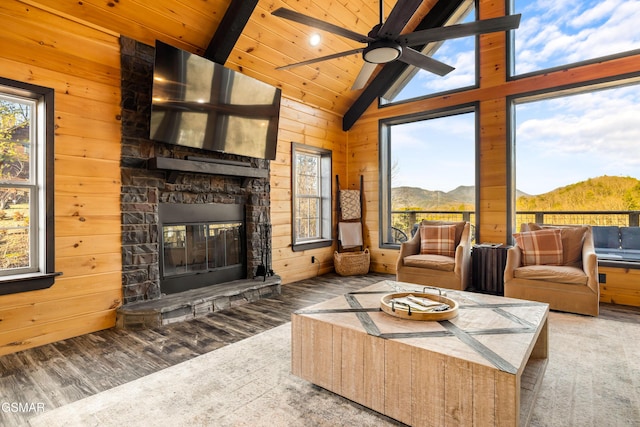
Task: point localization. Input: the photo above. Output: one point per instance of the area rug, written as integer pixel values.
(593, 378)
(244, 384)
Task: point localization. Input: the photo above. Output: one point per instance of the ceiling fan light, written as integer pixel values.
(381, 52)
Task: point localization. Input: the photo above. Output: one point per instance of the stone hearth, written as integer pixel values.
(196, 302)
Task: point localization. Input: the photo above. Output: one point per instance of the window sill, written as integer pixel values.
(299, 247)
(27, 282)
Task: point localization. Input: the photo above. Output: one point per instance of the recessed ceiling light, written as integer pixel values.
(314, 40)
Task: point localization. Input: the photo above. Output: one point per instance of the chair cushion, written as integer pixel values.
(572, 244)
(438, 240)
(552, 273)
(572, 241)
(433, 262)
(630, 237)
(606, 236)
(541, 247)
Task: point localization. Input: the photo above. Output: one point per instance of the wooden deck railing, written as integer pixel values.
(404, 220)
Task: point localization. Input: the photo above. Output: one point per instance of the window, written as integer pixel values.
(428, 171)
(26, 187)
(576, 157)
(554, 34)
(312, 219)
(459, 53)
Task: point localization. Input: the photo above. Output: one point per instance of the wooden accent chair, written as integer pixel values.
(439, 254)
(558, 267)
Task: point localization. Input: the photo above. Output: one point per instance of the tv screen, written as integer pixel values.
(199, 103)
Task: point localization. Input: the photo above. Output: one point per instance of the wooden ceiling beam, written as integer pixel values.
(436, 17)
(229, 30)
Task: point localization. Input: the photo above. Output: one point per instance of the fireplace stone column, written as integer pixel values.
(143, 189)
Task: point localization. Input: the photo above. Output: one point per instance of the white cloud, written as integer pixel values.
(463, 75)
(459, 54)
(557, 33)
(601, 127)
(594, 14)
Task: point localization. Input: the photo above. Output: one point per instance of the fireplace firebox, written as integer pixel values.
(201, 245)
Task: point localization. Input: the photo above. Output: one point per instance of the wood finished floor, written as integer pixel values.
(63, 372)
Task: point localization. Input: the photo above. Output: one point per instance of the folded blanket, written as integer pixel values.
(350, 234)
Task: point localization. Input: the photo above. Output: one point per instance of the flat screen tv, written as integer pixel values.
(199, 103)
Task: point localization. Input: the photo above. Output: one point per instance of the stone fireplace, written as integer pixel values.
(190, 219)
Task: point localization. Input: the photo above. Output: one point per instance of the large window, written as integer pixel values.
(312, 224)
(557, 33)
(577, 157)
(459, 53)
(428, 171)
(26, 187)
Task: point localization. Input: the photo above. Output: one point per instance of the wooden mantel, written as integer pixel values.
(174, 166)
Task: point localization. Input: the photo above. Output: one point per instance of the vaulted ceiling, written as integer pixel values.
(254, 41)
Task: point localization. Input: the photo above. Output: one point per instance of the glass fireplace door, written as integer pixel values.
(196, 248)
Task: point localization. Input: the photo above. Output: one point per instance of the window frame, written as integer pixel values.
(385, 161)
(539, 95)
(326, 217)
(42, 274)
(30, 186)
(511, 55)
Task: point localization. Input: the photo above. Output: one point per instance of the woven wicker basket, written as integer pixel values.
(352, 263)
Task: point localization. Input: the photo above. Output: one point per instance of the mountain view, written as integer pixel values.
(594, 194)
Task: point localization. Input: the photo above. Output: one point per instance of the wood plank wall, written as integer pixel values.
(318, 128)
(82, 64)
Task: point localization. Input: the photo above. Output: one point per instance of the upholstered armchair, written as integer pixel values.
(556, 265)
(439, 254)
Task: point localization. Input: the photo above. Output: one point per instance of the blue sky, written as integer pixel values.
(570, 139)
(563, 140)
(450, 138)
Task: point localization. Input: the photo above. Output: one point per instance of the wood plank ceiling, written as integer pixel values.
(266, 41)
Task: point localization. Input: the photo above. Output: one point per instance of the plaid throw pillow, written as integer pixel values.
(438, 239)
(542, 247)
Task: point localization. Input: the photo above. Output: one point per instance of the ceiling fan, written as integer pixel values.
(384, 43)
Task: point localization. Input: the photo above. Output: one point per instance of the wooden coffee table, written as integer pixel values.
(480, 368)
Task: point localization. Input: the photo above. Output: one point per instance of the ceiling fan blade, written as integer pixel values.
(364, 75)
(492, 25)
(413, 57)
(401, 13)
(322, 58)
(321, 25)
